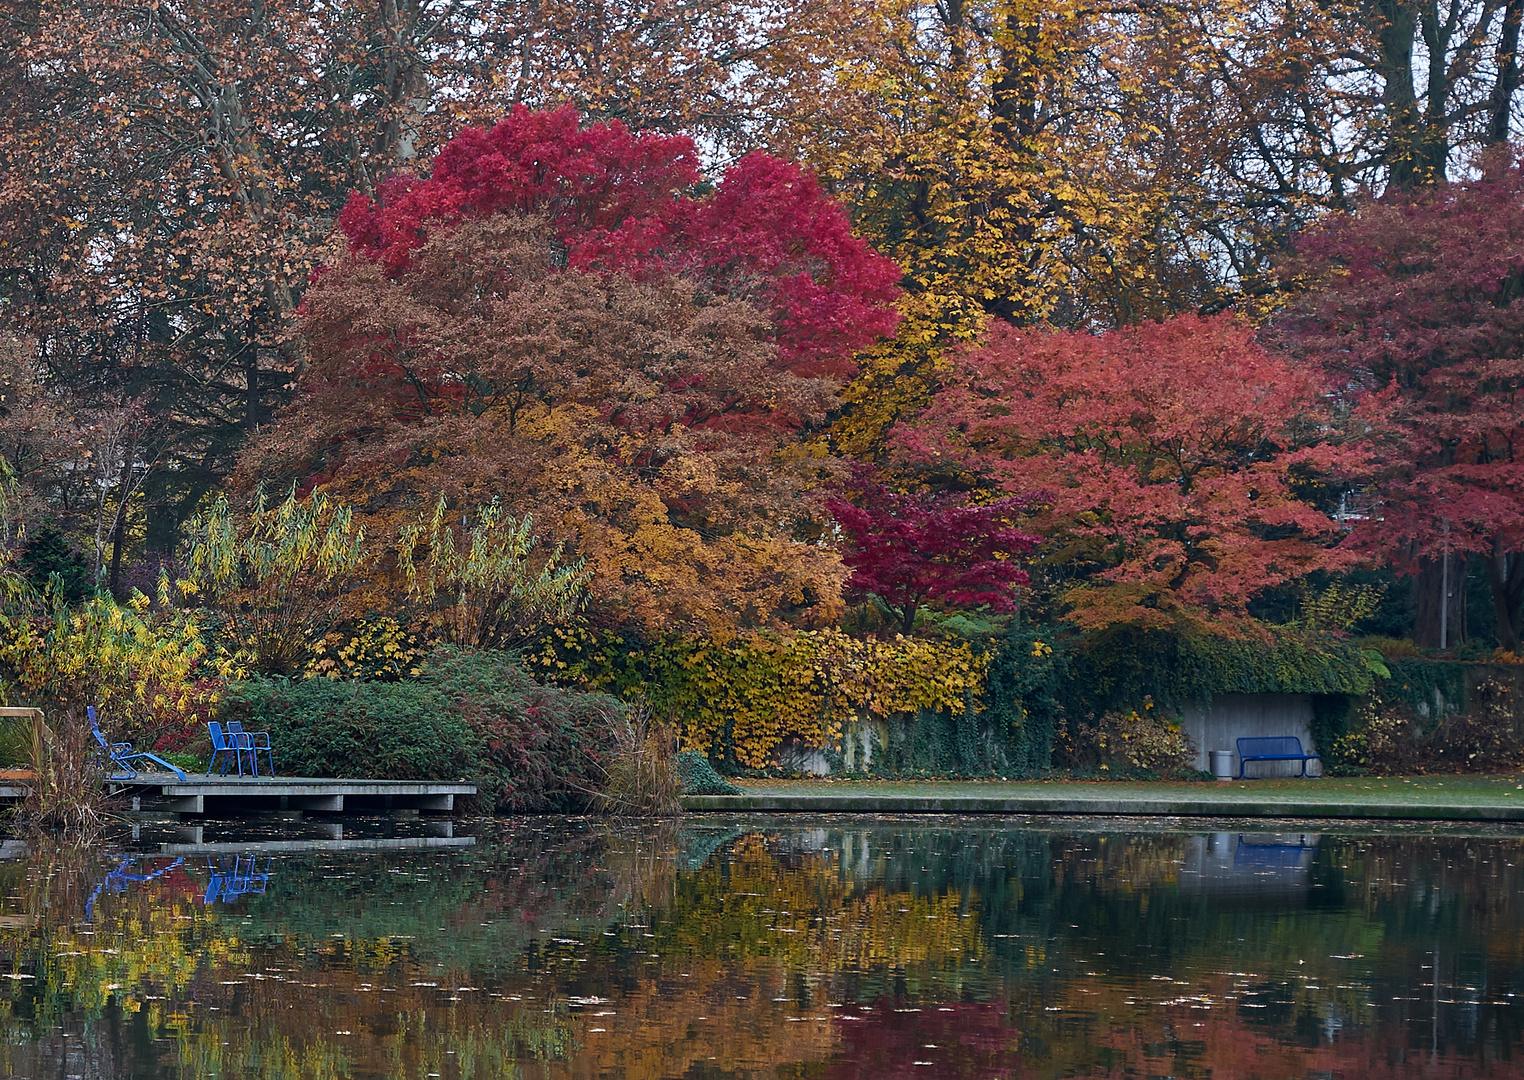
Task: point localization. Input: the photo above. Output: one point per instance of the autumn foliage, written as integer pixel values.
(554, 317)
(910, 550)
(1176, 469)
(624, 203)
(1421, 329)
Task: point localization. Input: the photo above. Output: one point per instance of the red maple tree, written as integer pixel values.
(931, 548)
(1176, 468)
(633, 203)
(1421, 328)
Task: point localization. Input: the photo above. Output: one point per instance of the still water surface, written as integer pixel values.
(835, 948)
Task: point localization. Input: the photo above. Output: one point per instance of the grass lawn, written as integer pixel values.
(1495, 790)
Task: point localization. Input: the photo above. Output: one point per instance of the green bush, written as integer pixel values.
(699, 778)
(478, 717)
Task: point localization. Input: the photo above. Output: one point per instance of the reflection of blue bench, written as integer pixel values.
(1267, 855)
(1272, 748)
(121, 755)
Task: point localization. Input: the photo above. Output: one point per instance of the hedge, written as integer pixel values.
(478, 717)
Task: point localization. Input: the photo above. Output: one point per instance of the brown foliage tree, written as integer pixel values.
(641, 422)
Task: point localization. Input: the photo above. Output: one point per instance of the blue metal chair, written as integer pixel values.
(235, 745)
(121, 755)
(258, 740)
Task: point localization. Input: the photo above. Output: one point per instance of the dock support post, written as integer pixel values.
(333, 803)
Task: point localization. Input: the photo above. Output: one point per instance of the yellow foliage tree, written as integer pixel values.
(277, 573)
(146, 672)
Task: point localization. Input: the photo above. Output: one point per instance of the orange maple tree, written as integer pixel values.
(1177, 468)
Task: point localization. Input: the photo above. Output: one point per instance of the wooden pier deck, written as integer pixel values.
(234, 795)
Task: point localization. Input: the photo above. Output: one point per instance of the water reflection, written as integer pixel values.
(235, 876)
(123, 877)
(846, 948)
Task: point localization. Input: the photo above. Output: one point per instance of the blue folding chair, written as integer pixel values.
(225, 744)
(121, 755)
(258, 740)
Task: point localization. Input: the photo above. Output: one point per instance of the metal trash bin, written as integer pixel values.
(1222, 764)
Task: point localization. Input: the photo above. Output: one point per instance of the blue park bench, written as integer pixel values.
(1273, 748)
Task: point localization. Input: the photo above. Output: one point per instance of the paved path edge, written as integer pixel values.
(1070, 805)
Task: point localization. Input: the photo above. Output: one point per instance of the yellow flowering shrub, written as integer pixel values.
(147, 672)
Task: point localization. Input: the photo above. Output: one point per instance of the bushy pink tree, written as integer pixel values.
(633, 203)
(931, 549)
(1178, 468)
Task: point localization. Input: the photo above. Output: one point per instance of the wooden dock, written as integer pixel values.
(237, 796)
(234, 796)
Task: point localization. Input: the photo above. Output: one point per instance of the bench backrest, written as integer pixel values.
(1270, 746)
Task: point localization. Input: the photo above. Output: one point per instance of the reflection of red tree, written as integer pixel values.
(958, 1041)
(1217, 1043)
(1124, 1040)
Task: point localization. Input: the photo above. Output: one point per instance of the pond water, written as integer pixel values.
(830, 948)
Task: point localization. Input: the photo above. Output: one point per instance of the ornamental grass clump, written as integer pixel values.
(67, 794)
(640, 775)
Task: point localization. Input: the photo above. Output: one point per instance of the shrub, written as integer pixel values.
(385, 731)
(376, 647)
(698, 777)
(146, 671)
(1386, 738)
(1136, 740)
(1389, 738)
(1488, 736)
(277, 573)
(474, 716)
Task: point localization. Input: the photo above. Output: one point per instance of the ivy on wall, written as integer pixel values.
(739, 701)
(1117, 669)
(1423, 683)
(992, 706)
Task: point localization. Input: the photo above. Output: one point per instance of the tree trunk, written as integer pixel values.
(1505, 573)
(1015, 117)
(1506, 82)
(1410, 147)
(1429, 603)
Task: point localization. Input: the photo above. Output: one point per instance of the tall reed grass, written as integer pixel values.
(68, 792)
(640, 776)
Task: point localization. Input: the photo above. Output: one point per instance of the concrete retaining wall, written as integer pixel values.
(1230, 717)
